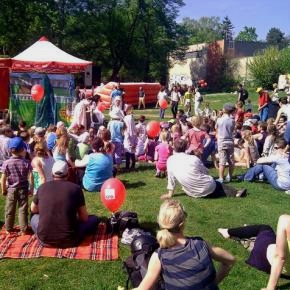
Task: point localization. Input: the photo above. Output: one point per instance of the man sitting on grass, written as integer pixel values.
(190, 172)
(60, 218)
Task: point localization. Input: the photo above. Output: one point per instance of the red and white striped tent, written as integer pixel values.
(45, 57)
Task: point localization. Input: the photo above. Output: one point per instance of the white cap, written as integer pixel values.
(60, 168)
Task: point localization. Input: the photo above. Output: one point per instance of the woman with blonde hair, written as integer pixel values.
(251, 148)
(42, 165)
(191, 256)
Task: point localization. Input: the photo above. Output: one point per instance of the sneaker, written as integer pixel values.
(241, 193)
(219, 180)
(228, 178)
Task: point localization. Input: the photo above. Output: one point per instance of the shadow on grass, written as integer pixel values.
(150, 227)
(136, 184)
(285, 286)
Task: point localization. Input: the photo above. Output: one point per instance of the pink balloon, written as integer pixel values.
(205, 84)
(153, 129)
(163, 104)
(37, 93)
(113, 194)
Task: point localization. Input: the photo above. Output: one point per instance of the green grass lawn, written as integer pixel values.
(262, 205)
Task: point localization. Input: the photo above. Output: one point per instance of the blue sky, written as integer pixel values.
(262, 14)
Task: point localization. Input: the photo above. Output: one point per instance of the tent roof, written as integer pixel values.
(5, 62)
(43, 56)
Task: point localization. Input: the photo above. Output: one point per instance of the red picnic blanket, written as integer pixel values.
(100, 246)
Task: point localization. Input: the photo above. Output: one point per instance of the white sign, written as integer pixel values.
(110, 194)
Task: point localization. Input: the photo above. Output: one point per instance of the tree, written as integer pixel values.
(205, 29)
(276, 37)
(247, 34)
(268, 65)
(227, 29)
(215, 66)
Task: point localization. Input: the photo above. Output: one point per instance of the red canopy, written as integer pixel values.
(45, 57)
(5, 62)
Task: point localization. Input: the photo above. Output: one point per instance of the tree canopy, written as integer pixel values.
(277, 38)
(247, 34)
(130, 38)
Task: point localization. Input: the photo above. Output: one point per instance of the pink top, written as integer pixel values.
(164, 151)
(195, 139)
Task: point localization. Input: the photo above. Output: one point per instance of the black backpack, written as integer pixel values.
(122, 220)
(245, 95)
(136, 265)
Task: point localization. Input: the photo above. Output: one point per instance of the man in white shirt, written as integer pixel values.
(193, 176)
(174, 97)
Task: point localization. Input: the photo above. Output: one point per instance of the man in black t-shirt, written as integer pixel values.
(242, 93)
(60, 217)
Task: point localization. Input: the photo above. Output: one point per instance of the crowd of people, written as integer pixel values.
(45, 161)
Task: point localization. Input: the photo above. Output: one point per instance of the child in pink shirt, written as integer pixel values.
(162, 152)
(196, 138)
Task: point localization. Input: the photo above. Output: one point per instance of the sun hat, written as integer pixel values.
(259, 89)
(60, 168)
(16, 143)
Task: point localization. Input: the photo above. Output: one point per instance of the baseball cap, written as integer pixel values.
(60, 168)
(16, 143)
(259, 89)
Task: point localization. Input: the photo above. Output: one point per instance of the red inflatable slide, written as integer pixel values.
(131, 92)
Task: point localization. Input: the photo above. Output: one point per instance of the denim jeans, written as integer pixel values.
(269, 173)
(85, 228)
(264, 114)
(174, 108)
(287, 136)
(161, 113)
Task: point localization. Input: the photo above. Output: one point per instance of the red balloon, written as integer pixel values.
(205, 84)
(202, 85)
(153, 129)
(113, 194)
(37, 93)
(101, 106)
(163, 104)
(201, 81)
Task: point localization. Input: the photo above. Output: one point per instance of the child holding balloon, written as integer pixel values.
(162, 95)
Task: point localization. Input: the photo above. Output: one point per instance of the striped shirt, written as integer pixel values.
(17, 170)
(188, 267)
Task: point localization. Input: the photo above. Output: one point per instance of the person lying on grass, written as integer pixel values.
(190, 172)
(185, 262)
(270, 253)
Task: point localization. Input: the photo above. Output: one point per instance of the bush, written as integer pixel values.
(266, 67)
